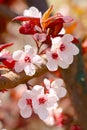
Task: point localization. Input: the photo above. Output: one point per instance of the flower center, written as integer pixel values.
(62, 47)
(54, 55)
(27, 59)
(42, 100)
(29, 102)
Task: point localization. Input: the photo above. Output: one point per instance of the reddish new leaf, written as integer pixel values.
(27, 28)
(75, 40)
(8, 64)
(36, 21)
(2, 59)
(5, 46)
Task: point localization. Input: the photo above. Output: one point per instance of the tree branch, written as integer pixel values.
(12, 79)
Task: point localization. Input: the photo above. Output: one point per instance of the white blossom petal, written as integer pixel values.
(57, 82)
(73, 48)
(52, 101)
(43, 113)
(61, 91)
(29, 50)
(21, 103)
(55, 43)
(27, 94)
(37, 60)
(19, 66)
(17, 54)
(26, 112)
(66, 57)
(63, 64)
(52, 65)
(37, 89)
(47, 83)
(29, 69)
(67, 38)
(55, 40)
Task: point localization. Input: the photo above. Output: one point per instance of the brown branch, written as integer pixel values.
(12, 79)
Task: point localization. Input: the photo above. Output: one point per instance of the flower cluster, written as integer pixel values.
(58, 50)
(42, 99)
(45, 29)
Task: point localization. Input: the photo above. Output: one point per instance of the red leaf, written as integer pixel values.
(27, 28)
(8, 64)
(2, 59)
(5, 46)
(75, 40)
(26, 18)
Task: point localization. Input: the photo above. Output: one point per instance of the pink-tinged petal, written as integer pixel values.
(37, 89)
(56, 40)
(63, 64)
(60, 91)
(47, 83)
(27, 94)
(41, 37)
(67, 38)
(43, 113)
(52, 65)
(18, 54)
(29, 50)
(49, 55)
(37, 60)
(52, 100)
(37, 28)
(19, 66)
(22, 103)
(74, 49)
(57, 82)
(66, 57)
(26, 112)
(29, 69)
(55, 43)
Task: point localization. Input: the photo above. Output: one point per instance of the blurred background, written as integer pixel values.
(65, 117)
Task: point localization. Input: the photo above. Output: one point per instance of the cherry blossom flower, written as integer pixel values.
(39, 102)
(53, 61)
(26, 60)
(65, 48)
(61, 53)
(25, 104)
(57, 86)
(43, 103)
